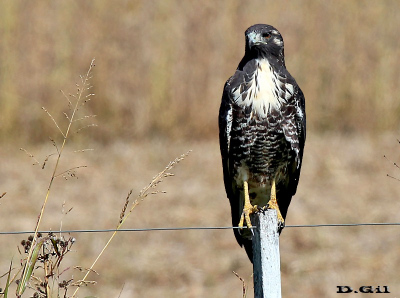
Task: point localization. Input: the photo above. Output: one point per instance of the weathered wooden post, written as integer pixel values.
(266, 257)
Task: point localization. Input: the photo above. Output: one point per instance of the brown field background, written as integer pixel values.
(160, 69)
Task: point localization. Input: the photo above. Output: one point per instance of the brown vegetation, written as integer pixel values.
(162, 64)
(343, 181)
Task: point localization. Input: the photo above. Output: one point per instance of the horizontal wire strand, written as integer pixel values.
(200, 228)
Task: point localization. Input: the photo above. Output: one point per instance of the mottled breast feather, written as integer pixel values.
(262, 118)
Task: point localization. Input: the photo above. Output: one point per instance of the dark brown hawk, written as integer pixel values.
(262, 124)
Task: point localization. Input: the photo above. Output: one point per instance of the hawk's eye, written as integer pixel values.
(266, 35)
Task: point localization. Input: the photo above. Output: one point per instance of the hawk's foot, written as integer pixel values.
(273, 204)
(281, 221)
(247, 208)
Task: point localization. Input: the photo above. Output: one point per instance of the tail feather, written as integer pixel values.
(248, 246)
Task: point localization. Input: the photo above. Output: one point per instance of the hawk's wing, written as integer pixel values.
(294, 130)
(225, 125)
(241, 82)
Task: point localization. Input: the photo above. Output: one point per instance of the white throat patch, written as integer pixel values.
(266, 90)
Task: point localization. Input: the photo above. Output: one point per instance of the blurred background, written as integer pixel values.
(160, 70)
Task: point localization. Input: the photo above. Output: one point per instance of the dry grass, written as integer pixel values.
(36, 245)
(41, 270)
(150, 189)
(163, 63)
(343, 180)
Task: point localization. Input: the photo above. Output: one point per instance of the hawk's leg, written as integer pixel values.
(273, 204)
(247, 208)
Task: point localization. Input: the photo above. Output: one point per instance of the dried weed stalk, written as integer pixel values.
(150, 189)
(244, 287)
(37, 249)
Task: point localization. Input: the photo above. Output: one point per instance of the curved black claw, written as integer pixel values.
(281, 225)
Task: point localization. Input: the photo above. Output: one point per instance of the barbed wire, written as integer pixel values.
(198, 228)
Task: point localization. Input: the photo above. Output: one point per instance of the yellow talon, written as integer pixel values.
(273, 204)
(247, 208)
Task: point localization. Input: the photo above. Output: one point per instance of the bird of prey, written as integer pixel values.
(262, 130)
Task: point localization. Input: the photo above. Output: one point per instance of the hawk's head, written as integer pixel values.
(264, 40)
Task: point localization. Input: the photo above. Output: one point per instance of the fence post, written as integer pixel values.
(266, 257)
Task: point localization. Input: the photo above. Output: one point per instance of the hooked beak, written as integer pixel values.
(254, 39)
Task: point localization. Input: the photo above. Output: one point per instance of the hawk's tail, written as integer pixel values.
(248, 246)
